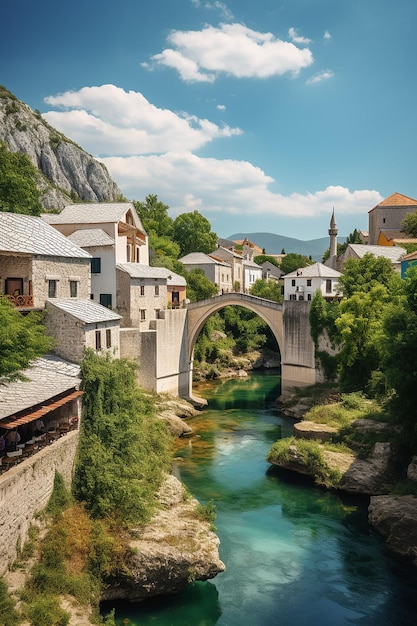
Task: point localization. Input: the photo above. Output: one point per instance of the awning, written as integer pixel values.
(30, 415)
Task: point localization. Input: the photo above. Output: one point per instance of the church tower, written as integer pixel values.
(333, 236)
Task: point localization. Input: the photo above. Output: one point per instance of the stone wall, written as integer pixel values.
(64, 271)
(26, 488)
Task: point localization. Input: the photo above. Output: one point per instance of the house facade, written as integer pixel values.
(358, 250)
(143, 291)
(389, 215)
(217, 271)
(81, 324)
(235, 261)
(303, 283)
(113, 232)
(37, 262)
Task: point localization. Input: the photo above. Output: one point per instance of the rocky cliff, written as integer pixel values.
(66, 172)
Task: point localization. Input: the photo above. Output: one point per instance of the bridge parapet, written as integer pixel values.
(235, 298)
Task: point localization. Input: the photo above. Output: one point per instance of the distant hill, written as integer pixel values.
(274, 244)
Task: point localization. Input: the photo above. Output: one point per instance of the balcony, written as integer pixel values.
(21, 302)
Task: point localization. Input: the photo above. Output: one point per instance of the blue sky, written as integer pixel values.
(262, 116)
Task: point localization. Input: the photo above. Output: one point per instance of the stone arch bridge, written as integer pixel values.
(166, 360)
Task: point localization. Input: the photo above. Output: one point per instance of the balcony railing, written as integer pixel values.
(21, 301)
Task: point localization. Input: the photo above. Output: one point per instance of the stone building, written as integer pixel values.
(144, 291)
(37, 262)
(80, 324)
(112, 233)
(303, 283)
(389, 214)
(217, 271)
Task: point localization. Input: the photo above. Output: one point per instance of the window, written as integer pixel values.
(328, 286)
(98, 339)
(309, 296)
(157, 290)
(96, 265)
(108, 338)
(293, 296)
(293, 282)
(308, 282)
(142, 290)
(142, 315)
(73, 288)
(106, 300)
(157, 314)
(51, 288)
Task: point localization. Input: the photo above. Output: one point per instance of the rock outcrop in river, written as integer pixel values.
(174, 549)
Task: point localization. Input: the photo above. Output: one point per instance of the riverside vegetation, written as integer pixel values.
(81, 541)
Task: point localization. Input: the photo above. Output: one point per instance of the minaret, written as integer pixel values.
(333, 237)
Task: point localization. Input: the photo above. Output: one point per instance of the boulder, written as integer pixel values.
(395, 518)
(369, 476)
(311, 430)
(412, 470)
(174, 549)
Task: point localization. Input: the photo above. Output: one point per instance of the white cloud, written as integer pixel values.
(296, 38)
(108, 120)
(220, 187)
(220, 6)
(232, 49)
(327, 36)
(320, 76)
(221, 107)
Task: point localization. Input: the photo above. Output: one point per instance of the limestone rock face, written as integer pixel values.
(175, 548)
(66, 171)
(395, 518)
(370, 476)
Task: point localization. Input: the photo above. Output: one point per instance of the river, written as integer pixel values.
(295, 555)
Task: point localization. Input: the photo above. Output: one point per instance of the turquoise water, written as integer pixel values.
(295, 554)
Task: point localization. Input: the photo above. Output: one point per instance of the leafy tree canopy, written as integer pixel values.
(365, 273)
(154, 216)
(192, 232)
(22, 339)
(261, 258)
(292, 261)
(199, 287)
(270, 290)
(410, 224)
(18, 190)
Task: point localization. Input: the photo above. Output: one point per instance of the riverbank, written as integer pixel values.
(349, 444)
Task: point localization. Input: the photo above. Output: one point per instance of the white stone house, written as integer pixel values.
(114, 233)
(303, 283)
(37, 262)
(217, 271)
(80, 324)
(143, 291)
(235, 261)
(251, 273)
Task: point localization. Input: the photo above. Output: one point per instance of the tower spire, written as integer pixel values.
(333, 236)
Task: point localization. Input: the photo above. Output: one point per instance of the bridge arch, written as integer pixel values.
(199, 312)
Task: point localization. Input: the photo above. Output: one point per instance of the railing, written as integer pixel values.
(21, 301)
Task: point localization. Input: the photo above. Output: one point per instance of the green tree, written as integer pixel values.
(410, 224)
(366, 273)
(192, 232)
(292, 261)
(123, 449)
(199, 287)
(270, 290)
(261, 258)
(154, 216)
(22, 338)
(18, 190)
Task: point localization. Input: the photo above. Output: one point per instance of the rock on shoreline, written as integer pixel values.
(174, 549)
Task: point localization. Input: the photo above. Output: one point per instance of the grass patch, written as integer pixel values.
(8, 613)
(308, 453)
(405, 488)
